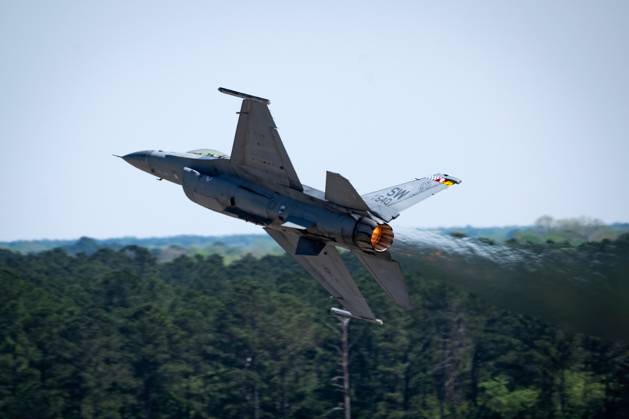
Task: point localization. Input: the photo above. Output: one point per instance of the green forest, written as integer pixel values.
(119, 334)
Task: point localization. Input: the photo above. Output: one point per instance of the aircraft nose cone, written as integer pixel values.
(138, 159)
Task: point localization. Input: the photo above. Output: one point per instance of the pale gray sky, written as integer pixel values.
(527, 102)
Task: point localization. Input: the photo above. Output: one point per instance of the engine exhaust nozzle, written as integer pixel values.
(369, 235)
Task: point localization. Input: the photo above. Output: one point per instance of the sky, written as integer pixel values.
(526, 102)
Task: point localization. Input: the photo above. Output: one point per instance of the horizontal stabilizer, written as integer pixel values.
(387, 274)
(339, 191)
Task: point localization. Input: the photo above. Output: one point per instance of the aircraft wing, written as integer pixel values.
(389, 202)
(328, 268)
(258, 153)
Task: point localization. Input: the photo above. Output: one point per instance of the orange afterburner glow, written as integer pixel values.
(381, 237)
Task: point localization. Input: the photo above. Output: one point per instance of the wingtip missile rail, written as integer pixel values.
(244, 95)
(348, 315)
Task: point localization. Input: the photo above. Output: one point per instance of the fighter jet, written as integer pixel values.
(257, 183)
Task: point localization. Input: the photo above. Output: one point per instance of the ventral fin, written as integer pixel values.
(339, 191)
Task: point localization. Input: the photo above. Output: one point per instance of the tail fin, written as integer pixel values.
(389, 202)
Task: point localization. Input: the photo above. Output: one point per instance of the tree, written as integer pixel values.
(497, 397)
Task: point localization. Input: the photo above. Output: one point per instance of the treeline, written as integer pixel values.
(231, 247)
(574, 231)
(117, 334)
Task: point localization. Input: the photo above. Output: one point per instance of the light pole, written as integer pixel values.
(343, 317)
(345, 362)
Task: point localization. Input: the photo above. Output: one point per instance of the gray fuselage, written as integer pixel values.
(212, 183)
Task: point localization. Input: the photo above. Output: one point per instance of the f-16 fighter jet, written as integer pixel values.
(258, 183)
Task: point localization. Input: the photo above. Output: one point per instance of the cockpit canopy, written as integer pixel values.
(206, 152)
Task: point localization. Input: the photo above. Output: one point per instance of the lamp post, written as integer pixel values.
(344, 318)
(345, 363)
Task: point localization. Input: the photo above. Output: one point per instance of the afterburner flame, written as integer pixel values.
(381, 237)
